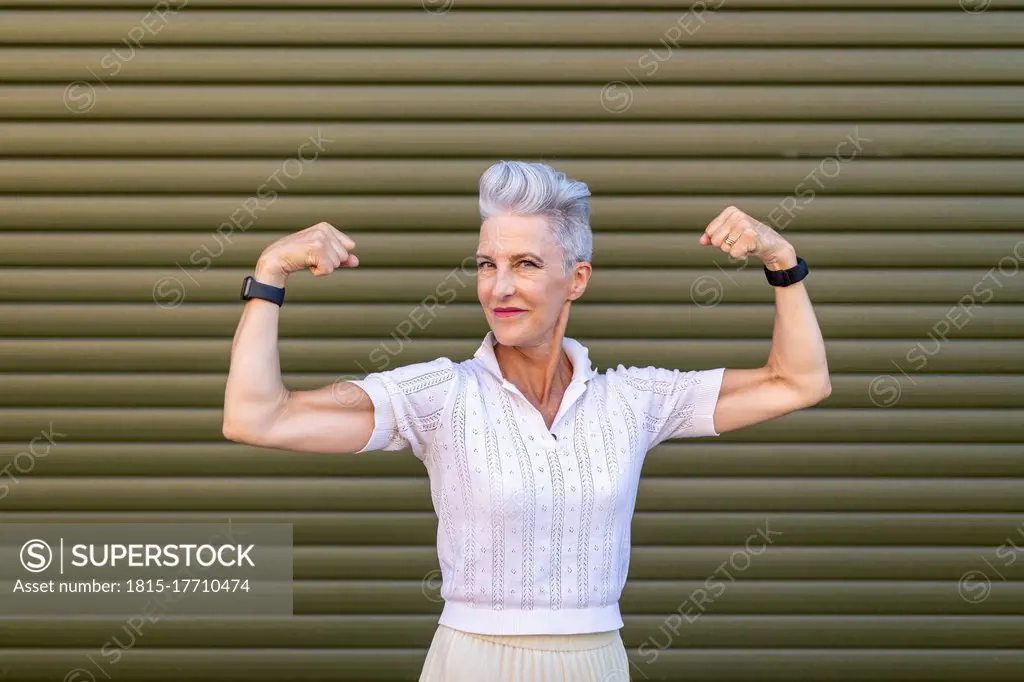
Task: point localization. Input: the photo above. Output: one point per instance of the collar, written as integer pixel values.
(579, 355)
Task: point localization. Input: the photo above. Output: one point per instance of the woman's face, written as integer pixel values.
(520, 280)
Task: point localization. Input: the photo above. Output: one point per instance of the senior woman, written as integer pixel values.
(533, 455)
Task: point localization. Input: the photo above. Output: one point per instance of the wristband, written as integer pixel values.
(253, 289)
(783, 278)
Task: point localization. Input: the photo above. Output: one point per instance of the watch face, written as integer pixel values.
(246, 284)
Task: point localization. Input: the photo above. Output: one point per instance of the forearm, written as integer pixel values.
(255, 391)
(797, 355)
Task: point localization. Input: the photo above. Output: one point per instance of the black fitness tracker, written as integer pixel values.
(783, 278)
(253, 289)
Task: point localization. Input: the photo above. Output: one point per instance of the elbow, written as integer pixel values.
(249, 422)
(809, 391)
(247, 431)
(236, 432)
(818, 390)
(826, 388)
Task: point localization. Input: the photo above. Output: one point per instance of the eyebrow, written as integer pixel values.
(515, 256)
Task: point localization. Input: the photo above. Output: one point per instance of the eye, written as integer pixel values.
(483, 264)
(529, 262)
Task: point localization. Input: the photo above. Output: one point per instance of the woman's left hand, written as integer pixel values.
(741, 236)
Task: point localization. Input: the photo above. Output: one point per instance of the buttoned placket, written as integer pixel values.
(577, 386)
(572, 393)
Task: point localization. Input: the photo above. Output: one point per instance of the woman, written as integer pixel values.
(533, 456)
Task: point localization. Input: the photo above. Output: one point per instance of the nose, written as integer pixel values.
(505, 283)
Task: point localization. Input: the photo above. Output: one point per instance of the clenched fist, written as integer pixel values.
(320, 249)
(739, 235)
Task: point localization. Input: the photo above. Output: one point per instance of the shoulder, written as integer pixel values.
(670, 403)
(665, 385)
(412, 382)
(421, 375)
(408, 403)
(650, 379)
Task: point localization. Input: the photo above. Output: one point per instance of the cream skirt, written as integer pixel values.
(456, 656)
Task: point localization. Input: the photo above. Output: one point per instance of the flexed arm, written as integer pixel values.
(258, 408)
(796, 374)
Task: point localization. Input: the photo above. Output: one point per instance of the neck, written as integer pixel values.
(539, 370)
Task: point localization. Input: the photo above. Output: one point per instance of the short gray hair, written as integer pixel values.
(523, 188)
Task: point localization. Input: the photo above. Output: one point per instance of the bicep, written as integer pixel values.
(338, 418)
(752, 396)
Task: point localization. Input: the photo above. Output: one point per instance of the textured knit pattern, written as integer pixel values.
(534, 523)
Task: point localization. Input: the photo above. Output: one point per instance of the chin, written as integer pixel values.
(505, 336)
(509, 334)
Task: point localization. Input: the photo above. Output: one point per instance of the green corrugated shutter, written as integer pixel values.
(908, 478)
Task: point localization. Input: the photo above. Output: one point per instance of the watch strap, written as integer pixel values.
(783, 278)
(254, 289)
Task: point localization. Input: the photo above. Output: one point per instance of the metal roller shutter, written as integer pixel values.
(127, 139)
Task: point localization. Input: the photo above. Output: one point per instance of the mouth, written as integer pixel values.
(508, 312)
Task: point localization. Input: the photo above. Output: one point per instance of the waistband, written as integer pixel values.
(582, 642)
(484, 621)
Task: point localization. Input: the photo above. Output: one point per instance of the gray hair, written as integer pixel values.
(523, 188)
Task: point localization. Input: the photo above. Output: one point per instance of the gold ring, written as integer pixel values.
(729, 241)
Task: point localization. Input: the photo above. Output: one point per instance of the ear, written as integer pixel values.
(580, 277)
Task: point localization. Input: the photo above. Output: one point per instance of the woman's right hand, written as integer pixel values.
(320, 248)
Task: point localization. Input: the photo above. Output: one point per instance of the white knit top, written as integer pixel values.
(534, 524)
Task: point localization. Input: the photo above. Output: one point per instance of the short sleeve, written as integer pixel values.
(672, 403)
(408, 404)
